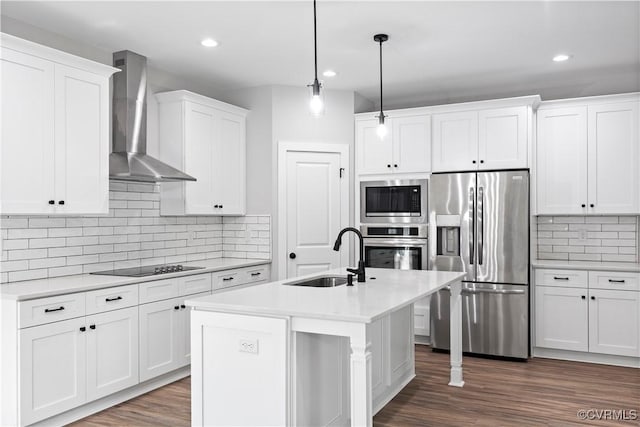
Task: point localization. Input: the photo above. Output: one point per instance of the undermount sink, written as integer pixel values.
(321, 282)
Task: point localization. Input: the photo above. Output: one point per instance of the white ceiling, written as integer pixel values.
(437, 51)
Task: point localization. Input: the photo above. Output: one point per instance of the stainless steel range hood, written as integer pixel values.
(129, 160)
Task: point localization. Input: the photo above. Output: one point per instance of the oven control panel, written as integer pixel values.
(394, 231)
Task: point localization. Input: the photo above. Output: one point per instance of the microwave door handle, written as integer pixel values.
(480, 224)
(472, 200)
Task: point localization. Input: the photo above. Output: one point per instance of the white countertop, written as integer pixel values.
(30, 289)
(363, 302)
(630, 267)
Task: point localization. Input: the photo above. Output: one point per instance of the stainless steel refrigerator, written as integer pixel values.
(479, 224)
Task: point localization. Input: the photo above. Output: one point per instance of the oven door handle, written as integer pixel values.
(375, 241)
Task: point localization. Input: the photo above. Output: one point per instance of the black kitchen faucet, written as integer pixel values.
(336, 247)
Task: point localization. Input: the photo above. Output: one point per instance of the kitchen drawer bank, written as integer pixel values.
(588, 315)
(79, 353)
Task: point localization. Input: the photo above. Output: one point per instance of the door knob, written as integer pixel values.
(292, 255)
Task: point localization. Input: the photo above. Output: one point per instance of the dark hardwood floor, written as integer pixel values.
(541, 392)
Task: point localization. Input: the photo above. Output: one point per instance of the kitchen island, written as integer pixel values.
(257, 354)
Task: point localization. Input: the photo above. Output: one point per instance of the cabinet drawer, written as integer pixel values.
(111, 298)
(257, 274)
(614, 280)
(194, 284)
(158, 290)
(564, 278)
(52, 309)
(227, 279)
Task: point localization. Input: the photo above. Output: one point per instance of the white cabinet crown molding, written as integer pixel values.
(25, 46)
(185, 95)
(590, 100)
(531, 100)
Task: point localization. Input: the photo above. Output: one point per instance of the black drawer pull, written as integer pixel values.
(256, 274)
(50, 310)
(83, 328)
(113, 299)
(92, 326)
(226, 279)
(183, 306)
(51, 202)
(583, 297)
(615, 281)
(560, 278)
(176, 307)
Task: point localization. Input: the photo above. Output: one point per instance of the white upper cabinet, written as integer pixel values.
(588, 152)
(405, 149)
(206, 139)
(481, 140)
(55, 135)
(455, 141)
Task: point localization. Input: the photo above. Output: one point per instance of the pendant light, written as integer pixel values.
(382, 128)
(316, 103)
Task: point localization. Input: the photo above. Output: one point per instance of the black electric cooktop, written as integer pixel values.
(148, 270)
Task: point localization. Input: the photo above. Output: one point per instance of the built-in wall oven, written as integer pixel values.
(401, 247)
(400, 201)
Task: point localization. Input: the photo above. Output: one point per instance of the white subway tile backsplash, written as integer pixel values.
(588, 238)
(133, 234)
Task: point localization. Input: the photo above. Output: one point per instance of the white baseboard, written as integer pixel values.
(113, 399)
(422, 340)
(579, 356)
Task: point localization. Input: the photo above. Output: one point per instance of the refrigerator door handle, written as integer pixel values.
(472, 215)
(480, 224)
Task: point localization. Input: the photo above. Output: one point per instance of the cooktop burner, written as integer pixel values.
(148, 270)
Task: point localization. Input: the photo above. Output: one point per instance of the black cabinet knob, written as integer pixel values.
(221, 206)
(584, 297)
(592, 205)
(92, 326)
(481, 161)
(61, 202)
(593, 297)
(395, 166)
(584, 206)
(183, 306)
(388, 166)
(292, 255)
(177, 307)
(473, 161)
(83, 328)
(51, 202)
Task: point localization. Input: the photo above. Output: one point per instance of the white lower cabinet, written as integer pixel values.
(53, 369)
(598, 315)
(614, 322)
(66, 364)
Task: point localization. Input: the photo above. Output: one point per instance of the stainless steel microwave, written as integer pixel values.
(394, 201)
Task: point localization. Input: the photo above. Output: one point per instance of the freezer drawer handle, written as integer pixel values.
(560, 278)
(615, 281)
(492, 291)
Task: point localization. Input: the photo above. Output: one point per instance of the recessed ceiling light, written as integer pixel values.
(329, 73)
(561, 57)
(209, 43)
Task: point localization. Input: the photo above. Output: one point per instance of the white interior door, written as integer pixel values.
(314, 207)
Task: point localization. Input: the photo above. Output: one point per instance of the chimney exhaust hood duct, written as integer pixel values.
(129, 160)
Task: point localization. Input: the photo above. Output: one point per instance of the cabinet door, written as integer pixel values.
(562, 161)
(412, 144)
(52, 369)
(502, 139)
(199, 130)
(159, 337)
(184, 336)
(562, 318)
(375, 155)
(455, 141)
(614, 159)
(112, 352)
(27, 149)
(229, 165)
(614, 322)
(81, 141)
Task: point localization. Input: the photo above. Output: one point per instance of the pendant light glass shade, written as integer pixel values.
(316, 100)
(382, 128)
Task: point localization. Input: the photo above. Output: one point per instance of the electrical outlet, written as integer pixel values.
(248, 346)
